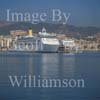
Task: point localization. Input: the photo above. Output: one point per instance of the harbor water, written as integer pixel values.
(84, 66)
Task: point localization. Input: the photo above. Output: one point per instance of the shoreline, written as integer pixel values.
(48, 52)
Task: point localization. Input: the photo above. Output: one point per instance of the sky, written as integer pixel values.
(83, 12)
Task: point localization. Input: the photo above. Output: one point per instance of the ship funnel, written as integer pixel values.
(30, 33)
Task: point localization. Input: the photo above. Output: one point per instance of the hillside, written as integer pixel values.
(69, 30)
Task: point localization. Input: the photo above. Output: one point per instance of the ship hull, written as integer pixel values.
(49, 48)
(38, 48)
(36, 44)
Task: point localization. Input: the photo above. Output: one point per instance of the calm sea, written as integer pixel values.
(84, 66)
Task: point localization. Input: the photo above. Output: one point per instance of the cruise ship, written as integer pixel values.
(49, 42)
(43, 42)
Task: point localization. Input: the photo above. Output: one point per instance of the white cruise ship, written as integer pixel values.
(49, 41)
(43, 42)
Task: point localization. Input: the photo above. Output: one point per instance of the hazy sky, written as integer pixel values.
(83, 12)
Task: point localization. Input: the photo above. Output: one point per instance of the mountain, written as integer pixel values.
(69, 30)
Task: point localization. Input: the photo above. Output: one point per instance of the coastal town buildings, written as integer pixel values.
(91, 43)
